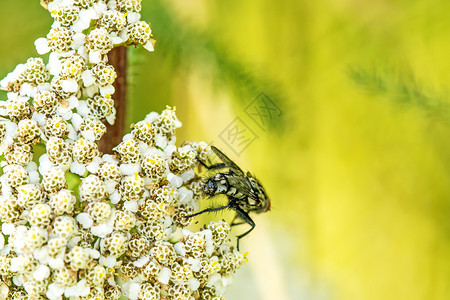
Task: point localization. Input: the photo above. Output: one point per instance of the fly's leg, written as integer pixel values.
(246, 218)
(213, 166)
(234, 220)
(208, 210)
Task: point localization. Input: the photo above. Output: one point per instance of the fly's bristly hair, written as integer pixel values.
(244, 192)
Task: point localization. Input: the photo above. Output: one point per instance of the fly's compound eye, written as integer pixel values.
(210, 186)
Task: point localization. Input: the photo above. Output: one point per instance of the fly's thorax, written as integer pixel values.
(235, 193)
(218, 184)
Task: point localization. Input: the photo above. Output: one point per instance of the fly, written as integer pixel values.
(244, 192)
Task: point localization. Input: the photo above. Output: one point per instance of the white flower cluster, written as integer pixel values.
(121, 231)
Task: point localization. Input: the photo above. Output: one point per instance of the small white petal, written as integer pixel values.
(161, 141)
(88, 78)
(70, 85)
(88, 135)
(82, 109)
(167, 221)
(84, 19)
(95, 57)
(20, 238)
(79, 39)
(188, 175)
(186, 232)
(227, 280)
(6, 250)
(209, 242)
(110, 158)
(41, 273)
(164, 275)
(34, 176)
(152, 116)
(8, 229)
(101, 230)
(46, 86)
(40, 118)
(213, 278)
(2, 241)
(11, 129)
(185, 195)
(89, 13)
(195, 264)
(66, 114)
(41, 254)
(31, 166)
(141, 261)
(73, 101)
(111, 119)
(100, 8)
(56, 263)
(4, 291)
(73, 241)
(110, 186)
(28, 90)
(53, 4)
(76, 121)
(108, 261)
(144, 148)
(72, 132)
(149, 46)
(129, 169)
(127, 137)
(41, 45)
(180, 249)
(18, 280)
(174, 180)
(178, 123)
(83, 52)
(133, 292)
(90, 91)
(193, 283)
(93, 253)
(15, 264)
(85, 220)
(114, 197)
(219, 287)
(131, 206)
(170, 149)
(54, 291)
(81, 289)
(105, 228)
(107, 90)
(77, 168)
(115, 39)
(54, 63)
(44, 163)
(94, 165)
(124, 35)
(133, 17)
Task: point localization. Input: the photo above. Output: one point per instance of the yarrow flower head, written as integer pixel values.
(80, 224)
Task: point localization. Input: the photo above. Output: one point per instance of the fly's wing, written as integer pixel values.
(228, 162)
(242, 184)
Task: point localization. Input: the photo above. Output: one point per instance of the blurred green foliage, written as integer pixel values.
(359, 185)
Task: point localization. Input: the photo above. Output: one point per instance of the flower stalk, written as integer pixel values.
(118, 59)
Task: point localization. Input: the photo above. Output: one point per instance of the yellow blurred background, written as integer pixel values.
(355, 156)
